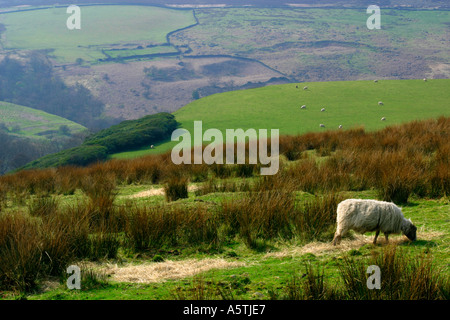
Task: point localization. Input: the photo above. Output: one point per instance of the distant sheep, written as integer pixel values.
(303, 107)
(340, 126)
(322, 125)
(322, 110)
(383, 119)
(305, 88)
(424, 79)
(375, 81)
(152, 147)
(380, 103)
(371, 215)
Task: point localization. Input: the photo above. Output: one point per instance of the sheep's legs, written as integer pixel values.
(376, 236)
(337, 239)
(386, 235)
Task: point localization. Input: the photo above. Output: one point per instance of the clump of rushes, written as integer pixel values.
(176, 188)
(404, 276)
(101, 191)
(315, 219)
(259, 216)
(312, 285)
(43, 206)
(3, 196)
(20, 252)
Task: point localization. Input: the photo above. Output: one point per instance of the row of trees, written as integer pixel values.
(127, 135)
(16, 151)
(35, 85)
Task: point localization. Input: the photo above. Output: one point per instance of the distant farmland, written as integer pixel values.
(102, 28)
(346, 103)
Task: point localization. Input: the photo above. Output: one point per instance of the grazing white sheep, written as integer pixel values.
(152, 146)
(424, 79)
(322, 125)
(383, 119)
(322, 110)
(340, 126)
(371, 215)
(375, 80)
(380, 103)
(305, 88)
(303, 107)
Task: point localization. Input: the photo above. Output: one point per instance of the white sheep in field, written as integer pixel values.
(303, 107)
(380, 103)
(424, 79)
(375, 81)
(340, 126)
(371, 215)
(322, 110)
(322, 125)
(383, 119)
(305, 88)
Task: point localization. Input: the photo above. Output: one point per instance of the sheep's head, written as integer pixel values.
(409, 230)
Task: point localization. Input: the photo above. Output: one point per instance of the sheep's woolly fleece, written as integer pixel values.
(167, 270)
(366, 215)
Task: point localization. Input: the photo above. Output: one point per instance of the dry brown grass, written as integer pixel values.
(321, 248)
(157, 192)
(167, 270)
(397, 161)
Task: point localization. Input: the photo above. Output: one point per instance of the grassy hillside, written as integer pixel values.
(124, 136)
(346, 103)
(236, 235)
(32, 123)
(102, 27)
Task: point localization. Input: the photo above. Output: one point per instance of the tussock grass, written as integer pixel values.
(397, 161)
(20, 252)
(404, 276)
(44, 236)
(176, 188)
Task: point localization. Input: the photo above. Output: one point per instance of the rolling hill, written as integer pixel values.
(32, 123)
(346, 103)
(123, 136)
(27, 134)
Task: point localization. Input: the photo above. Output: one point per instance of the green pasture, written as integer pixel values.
(101, 27)
(347, 103)
(139, 52)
